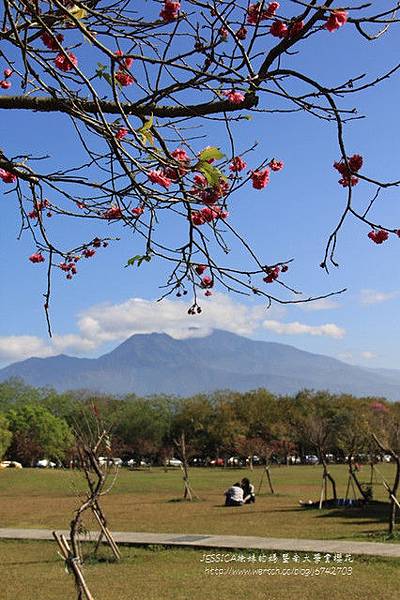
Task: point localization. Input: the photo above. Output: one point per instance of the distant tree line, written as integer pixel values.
(37, 423)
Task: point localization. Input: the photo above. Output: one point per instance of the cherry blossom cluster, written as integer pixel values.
(52, 42)
(5, 84)
(123, 76)
(7, 177)
(37, 257)
(68, 266)
(39, 206)
(167, 175)
(121, 133)
(260, 178)
(354, 164)
(378, 236)
(207, 281)
(170, 11)
(272, 273)
(237, 164)
(255, 13)
(207, 215)
(337, 19)
(206, 194)
(114, 212)
(202, 190)
(64, 61)
(234, 97)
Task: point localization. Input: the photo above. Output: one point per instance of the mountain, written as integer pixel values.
(157, 363)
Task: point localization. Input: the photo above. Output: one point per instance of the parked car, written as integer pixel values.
(217, 462)
(311, 459)
(45, 463)
(256, 460)
(197, 462)
(10, 464)
(174, 462)
(108, 460)
(235, 461)
(137, 463)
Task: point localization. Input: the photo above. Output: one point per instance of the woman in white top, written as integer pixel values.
(234, 495)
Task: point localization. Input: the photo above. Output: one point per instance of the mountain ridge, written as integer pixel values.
(155, 363)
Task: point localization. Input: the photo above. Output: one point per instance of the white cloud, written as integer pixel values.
(296, 328)
(375, 296)
(112, 323)
(19, 347)
(322, 304)
(107, 323)
(368, 355)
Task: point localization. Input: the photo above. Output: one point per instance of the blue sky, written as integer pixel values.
(291, 218)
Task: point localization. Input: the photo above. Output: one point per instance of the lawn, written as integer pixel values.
(147, 501)
(30, 570)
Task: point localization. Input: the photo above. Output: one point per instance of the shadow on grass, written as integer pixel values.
(375, 512)
(185, 500)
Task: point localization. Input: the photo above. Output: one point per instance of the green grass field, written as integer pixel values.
(147, 501)
(31, 571)
(144, 501)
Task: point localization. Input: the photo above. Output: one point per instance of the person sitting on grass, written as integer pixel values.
(249, 496)
(234, 495)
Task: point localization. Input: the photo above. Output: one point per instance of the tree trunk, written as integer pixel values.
(354, 477)
(393, 497)
(326, 474)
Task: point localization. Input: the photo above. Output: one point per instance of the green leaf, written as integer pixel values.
(211, 173)
(139, 258)
(211, 153)
(107, 77)
(147, 124)
(77, 12)
(145, 131)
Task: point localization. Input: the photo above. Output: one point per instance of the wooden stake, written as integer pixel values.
(106, 532)
(72, 563)
(323, 492)
(269, 480)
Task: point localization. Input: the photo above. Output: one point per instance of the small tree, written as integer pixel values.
(318, 424)
(385, 427)
(92, 441)
(353, 438)
(37, 434)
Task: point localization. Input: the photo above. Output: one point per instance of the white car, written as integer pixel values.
(311, 459)
(174, 462)
(104, 460)
(45, 463)
(10, 464)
